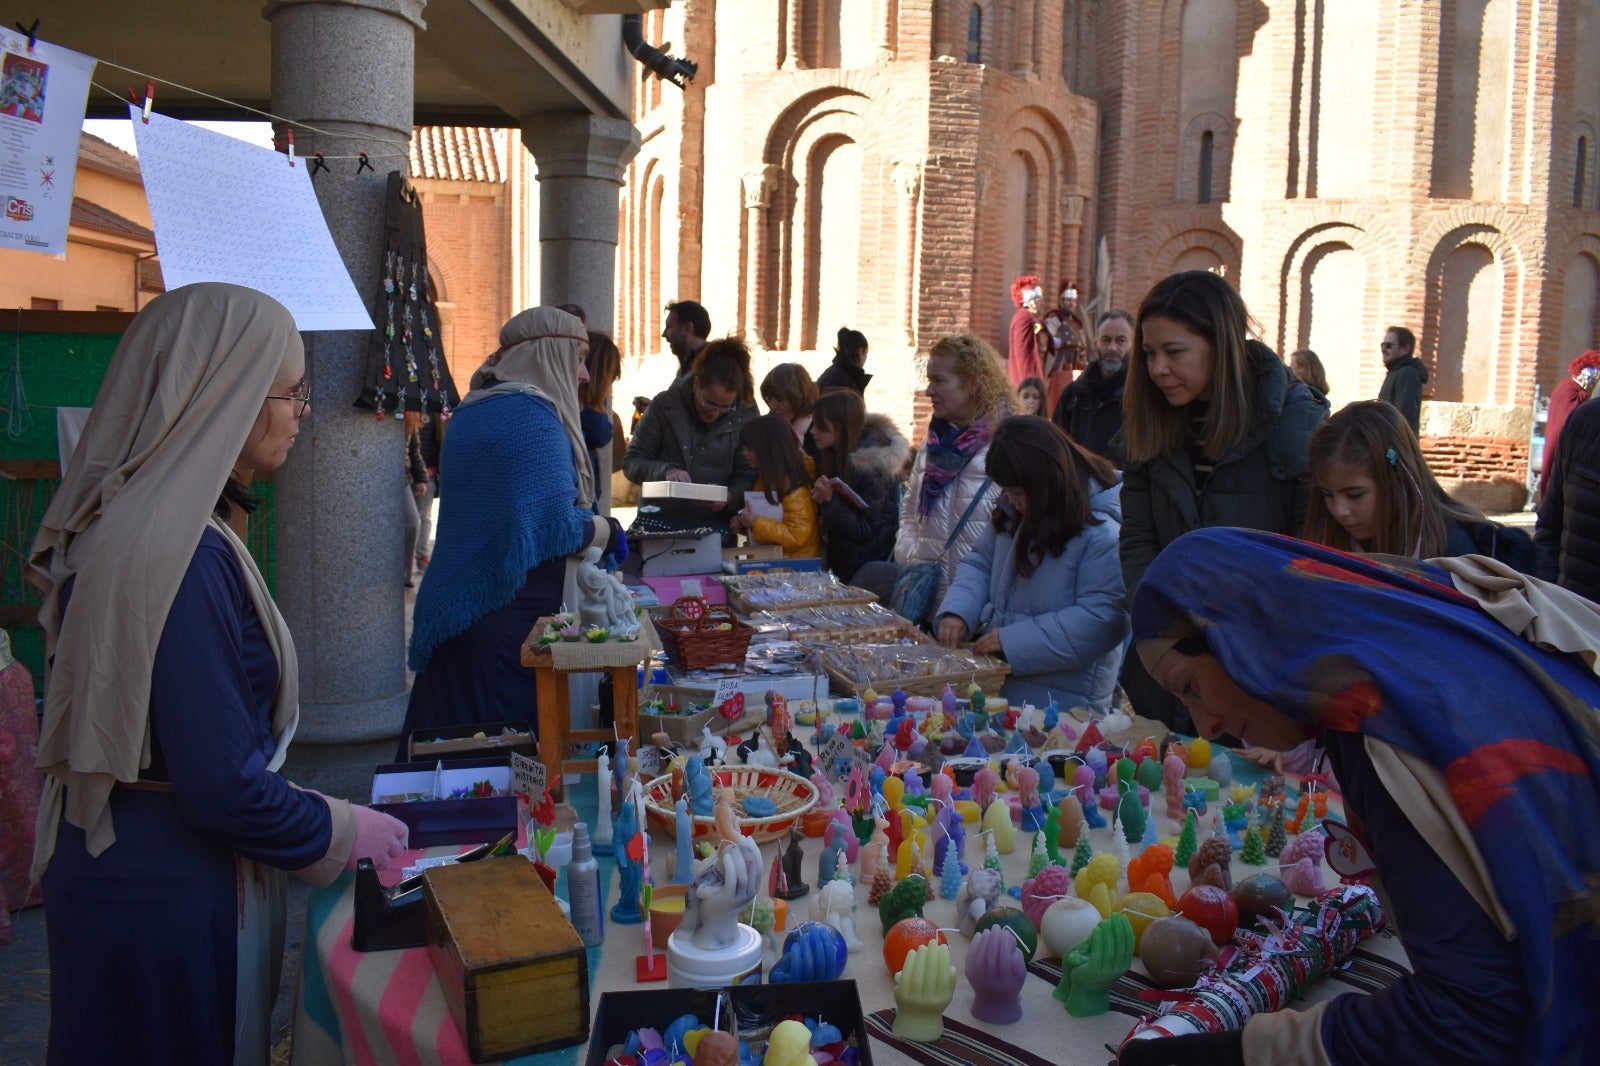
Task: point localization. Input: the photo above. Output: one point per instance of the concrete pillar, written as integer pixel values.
(345, 65)
(907, 178)
(794, 27)
(580, 160)
(758, 184)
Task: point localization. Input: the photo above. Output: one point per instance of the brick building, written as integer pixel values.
(891, 165)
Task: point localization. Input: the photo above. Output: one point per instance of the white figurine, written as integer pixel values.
(604, 599)
(835, 905)
(711, 745)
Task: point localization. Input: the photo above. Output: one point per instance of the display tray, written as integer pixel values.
(757, 1009)
(462, 741)
(851, 672)
(466, 820)
(748, 593)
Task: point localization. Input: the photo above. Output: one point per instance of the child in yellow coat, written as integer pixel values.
(770, 446)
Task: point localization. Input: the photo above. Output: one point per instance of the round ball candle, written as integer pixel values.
(1199, 756)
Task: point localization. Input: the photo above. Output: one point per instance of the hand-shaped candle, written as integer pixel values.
(1090, 969)
(723, 884)
(996, 970)
(789, 1045)
(922, 990)
(813, 951)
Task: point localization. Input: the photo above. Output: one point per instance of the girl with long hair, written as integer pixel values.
(1215, 433)
(770, 447)
(1043, 587)
(604, 366)
(866, 453)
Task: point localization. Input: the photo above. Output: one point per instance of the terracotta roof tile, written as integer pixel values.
(107, 157)
(456, 153)
(93, 216)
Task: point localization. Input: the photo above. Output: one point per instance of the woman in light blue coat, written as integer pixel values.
(1043, 588)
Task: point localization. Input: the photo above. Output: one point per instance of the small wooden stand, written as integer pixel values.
(556, 735)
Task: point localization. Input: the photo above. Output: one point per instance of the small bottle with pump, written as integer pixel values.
(583, 888)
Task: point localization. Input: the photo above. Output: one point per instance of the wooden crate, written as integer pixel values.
(513, 971)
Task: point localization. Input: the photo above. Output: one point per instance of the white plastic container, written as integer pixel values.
(692, 967)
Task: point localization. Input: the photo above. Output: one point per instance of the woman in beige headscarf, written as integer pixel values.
(172, 696)
(521, 507)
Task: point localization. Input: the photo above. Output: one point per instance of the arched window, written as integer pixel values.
(1580, 174)
(975, 35)
(1208, 147)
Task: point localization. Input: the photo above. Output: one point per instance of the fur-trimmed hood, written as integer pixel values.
(883, 450)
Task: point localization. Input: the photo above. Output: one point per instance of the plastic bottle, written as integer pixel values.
(583, 888)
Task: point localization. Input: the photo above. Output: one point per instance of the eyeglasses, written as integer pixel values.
(720, 408)
(303, 398)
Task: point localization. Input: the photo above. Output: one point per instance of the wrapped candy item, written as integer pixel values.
(1271, 970)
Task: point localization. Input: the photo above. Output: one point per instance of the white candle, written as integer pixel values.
(602, 829)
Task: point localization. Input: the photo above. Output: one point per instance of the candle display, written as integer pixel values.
(922, 990)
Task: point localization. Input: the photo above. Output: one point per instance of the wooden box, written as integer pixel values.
(512, 968)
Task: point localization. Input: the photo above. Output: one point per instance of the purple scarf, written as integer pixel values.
(950, 448)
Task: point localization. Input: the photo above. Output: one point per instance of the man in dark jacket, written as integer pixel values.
(1090, 409)
(1402, 386)
(1568, 531)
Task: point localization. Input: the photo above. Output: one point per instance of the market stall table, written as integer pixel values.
(387, 1007)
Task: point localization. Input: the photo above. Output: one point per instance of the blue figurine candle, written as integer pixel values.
(1052, 715)
(684, 872)
(697, 786)
(630, 870)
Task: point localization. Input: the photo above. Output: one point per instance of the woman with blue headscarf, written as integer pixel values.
(1459, 705)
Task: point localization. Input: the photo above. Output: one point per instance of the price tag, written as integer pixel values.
(727, 689)
(529, 777)
(1347, 853)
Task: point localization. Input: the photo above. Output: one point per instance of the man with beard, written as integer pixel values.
(1090, 409)
(1406, 374)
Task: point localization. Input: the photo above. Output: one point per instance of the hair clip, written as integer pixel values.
(1391, 456)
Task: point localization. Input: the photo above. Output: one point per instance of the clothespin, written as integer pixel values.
(365, 164)
(317, 163)
(149, 99)
(32, 32)
(287, 145)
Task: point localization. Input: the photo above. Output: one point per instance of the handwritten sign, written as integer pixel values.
(529, 776)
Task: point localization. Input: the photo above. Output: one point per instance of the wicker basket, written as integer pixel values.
(792, 794)
(692, 640)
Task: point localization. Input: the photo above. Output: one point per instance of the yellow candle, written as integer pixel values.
(894, 791)
(667, 905)
(902, 861)
(780, 914)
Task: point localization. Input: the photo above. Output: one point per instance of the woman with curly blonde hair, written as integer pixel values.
(949, 498)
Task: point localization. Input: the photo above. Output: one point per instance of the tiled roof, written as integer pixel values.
(93, 216)
(456, 153)
(107, 157)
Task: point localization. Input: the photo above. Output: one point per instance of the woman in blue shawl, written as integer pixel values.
(521, 504)
(1459, 706)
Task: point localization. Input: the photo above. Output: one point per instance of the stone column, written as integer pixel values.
(794, 30)
(943, 31)
(883, 39)
(1071, 235)
(759, 183)
(345, 65)
(907, 178)
(580, 160)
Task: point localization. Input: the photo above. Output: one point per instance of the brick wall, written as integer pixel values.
(468, 230)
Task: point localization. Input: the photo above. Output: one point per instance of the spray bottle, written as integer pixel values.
(583, 888)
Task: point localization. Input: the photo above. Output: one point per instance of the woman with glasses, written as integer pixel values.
(690, 433)
(521, 512)
(172, 695)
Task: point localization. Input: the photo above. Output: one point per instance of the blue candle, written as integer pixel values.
(684, 873)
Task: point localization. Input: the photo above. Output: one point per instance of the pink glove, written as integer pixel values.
(379, 837)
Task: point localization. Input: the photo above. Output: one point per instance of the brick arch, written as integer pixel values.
(442, 277)
(1359, 231)
(1553, 359)
(1510, 372)
(1224, 246)
(1186, 183)
(1512, 232)
(803, 109)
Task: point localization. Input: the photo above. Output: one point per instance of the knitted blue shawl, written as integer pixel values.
(508, 462)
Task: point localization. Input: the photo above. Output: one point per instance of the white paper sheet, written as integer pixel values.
(229, 211)
(42, 96)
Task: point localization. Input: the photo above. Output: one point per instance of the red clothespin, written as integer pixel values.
(288, 135)
(149, 99)
(365, 164)
(32, 33)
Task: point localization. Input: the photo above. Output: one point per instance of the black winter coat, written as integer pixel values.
(855, 536)
(1090, 410)
(1568, 531)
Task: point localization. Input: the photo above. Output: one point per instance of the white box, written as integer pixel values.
(684, 490)
(676, 556)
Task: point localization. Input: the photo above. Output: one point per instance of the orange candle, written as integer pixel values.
(780, 914)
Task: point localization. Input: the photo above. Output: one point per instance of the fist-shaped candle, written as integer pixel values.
(996, 971)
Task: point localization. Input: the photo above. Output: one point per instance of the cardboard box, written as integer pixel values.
(668, 589)
(448, 821)
(669, 556)
(682, 728)
(512, 968)
(683, 490)
(462, 742)
(619, 1013)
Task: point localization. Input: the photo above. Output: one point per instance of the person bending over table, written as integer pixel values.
(690, 433)
(1469, 756)
(172, 694)
(521, 515)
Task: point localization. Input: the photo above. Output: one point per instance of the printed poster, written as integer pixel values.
(225, 210)
(43, 92)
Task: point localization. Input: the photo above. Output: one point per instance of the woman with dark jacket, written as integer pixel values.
(867, 453)
(1215, 432)
(849, 356)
